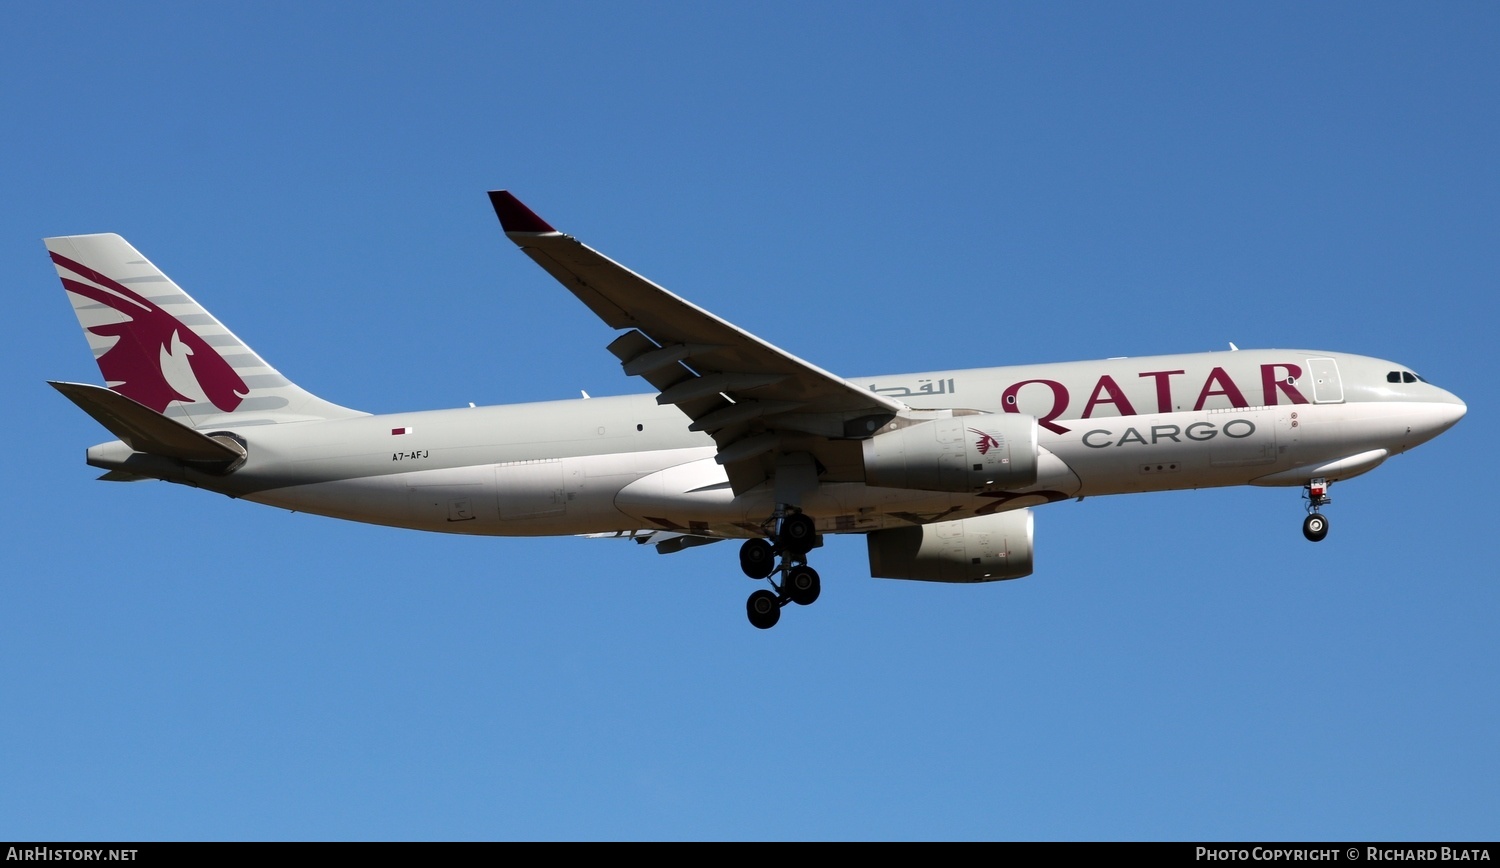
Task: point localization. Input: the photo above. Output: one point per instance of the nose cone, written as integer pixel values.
(1440, 415)
(1454, 408)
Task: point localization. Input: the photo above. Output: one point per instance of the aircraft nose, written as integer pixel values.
(1460, 409)
(1446, 413)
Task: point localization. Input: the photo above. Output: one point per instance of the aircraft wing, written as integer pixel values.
(759, 403)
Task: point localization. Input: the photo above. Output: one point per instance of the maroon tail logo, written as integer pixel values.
(986, 442)
(148, 343)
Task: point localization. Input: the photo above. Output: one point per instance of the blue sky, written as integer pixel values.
(874, 187)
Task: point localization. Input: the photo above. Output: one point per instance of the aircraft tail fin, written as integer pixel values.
(158, 347)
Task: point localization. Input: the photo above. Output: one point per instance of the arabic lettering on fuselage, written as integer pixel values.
(924, 387)
(1278, 381)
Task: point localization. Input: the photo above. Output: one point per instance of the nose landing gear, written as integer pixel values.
(799, 583)
(1315, 526)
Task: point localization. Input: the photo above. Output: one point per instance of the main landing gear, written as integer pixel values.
(796, 536)
(1315, 526)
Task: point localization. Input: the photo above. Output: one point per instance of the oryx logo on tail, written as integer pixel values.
(155, 359)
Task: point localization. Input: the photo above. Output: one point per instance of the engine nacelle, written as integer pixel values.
(986, 548)
(962, 454)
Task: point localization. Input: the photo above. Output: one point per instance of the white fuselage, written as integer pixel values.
(599, 465)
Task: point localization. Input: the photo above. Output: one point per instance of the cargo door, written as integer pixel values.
(1244, 438)
(530, 489)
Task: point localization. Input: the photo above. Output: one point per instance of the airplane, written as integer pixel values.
(938, 471)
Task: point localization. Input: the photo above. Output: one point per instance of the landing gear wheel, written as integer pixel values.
(798, 533)
(764, 610)
(1315, 527)
(757, 558)
(802, 585)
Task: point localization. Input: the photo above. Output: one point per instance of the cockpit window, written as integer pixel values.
(1408, 377)
(1403, 377)
(1393, 377)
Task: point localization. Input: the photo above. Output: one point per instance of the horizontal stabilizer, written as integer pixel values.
(142, 428)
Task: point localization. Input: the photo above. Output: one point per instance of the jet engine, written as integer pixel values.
(962, 454)
(986, 548)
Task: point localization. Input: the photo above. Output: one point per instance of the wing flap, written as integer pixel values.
(665, 542)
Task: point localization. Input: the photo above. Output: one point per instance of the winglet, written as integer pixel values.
(515, 217)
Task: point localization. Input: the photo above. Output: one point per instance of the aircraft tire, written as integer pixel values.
(1315, 527)
(764, 610)
(757, 558)
(798, 533)
(803, 585)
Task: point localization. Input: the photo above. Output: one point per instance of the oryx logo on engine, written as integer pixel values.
(986, 441)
